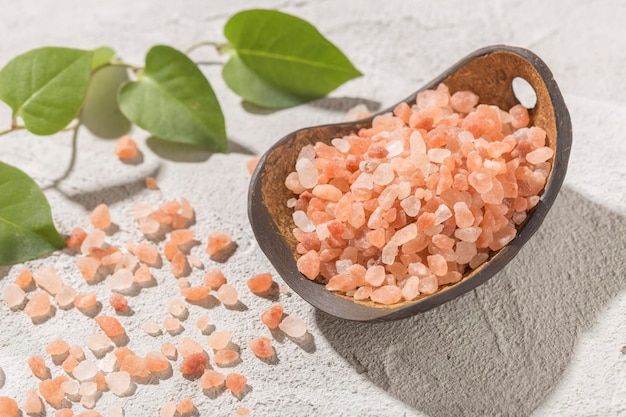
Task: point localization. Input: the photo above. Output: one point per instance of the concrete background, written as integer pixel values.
(544, 337)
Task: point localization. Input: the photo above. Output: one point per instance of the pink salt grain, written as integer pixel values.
(219, 340)
(188, 346)
(236, 383)
(146, 253)
(24, 279)
(32, 403)
(227, 294)
(262, 347)
(171, 325)
(309, 264)
(260, 283)
(8, 407)
(169, 350)
(211, 379)
(38, 306)
(38, 366)
(216, 242)
(225, 357)
(193, 364)
(14, 296)
(100, 217)
(293, 326)
(85, 301)
(387, 294)
(126, 148)
(214, 278)
(111, 326)
(185, 406)
(118, 302)
(272, 316)
(151, 183)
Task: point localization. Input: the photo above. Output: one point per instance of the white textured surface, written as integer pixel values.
(545, 336)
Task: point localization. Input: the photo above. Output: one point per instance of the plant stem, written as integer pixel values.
(13, 128)
(218, 46)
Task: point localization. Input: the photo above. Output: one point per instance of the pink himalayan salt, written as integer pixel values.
(24, 279)
(65, 297)
(98, 343)
(211, 379)
(387, 294)
(85, 370)
(203, 323)
(38, 366)
(169, 350)
(85, 301)
(121, 281)
(151, 327)
(38, 306)
(540, 155)
(235, 383)
(196, 293)
(77, 352)
(187, 346)
(94, 239)
(146, 253)
(126, 148)
(341, 283)
(214, 278)
(116, 410)
(241, 412)
(176, 307)
(260, 283)
(32, 403)
(272, 316)
(193, 364)
(410, 290)
(69, 364)
(119, 382)
(227, 294)
(111, 326)
(171, 325)
(185, 406)
(100, 217)
(428, 285)
(217, 241)
(118, 302)
(48, 279)
(64, 412)
(136, 366)
(14, 296)
(309, 264)
(51, 391)
(225, 357)
(168, 409)
(293, 326)
(71, 388)
(463, 215)
(8, 407)
(157, 362)
(219, 339)
(262, 347)
(88, 267)
(179, 264)
(151, 183)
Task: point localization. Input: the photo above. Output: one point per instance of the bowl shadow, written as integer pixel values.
(501, 348)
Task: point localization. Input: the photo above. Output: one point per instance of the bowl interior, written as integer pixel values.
(489, 72)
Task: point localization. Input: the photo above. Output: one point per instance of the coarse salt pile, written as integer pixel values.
(426, 194)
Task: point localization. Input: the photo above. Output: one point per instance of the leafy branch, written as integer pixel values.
(275, 60)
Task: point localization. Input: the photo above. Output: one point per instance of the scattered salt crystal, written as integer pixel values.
(116, 410)
(14, 296)
(151, 327)
(108, 363)
(302, 221)
(437, 264)
(227, 294)
(428, 285)
(272, 316)
(100, 217)
(219, 340)
(141, 211)
(211, 379)
(157, 362)
(307, 173)
(171, 325)
(187, 346)
(48, 279)
(111, 326)
(98, 343)
(185, 406)
(71, 388)
(38, 306)
(176, 308)
(169, 350)
(85, 301)
(293, 326)
(225, 357)
(88, 388)
(262, 347)
(122, 280)
(195, 261)
(193, 364)
(65, 296)
(32, 403)
(118, 382)
(85, 370)
(442, 214)
(94, 239)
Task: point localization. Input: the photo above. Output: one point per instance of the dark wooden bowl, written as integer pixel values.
(488, 72)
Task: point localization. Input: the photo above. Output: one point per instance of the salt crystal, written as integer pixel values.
(71, 388)
(118, 382)
(442, 214)
(227, 294)
(14, 295)
(383, 174)
(85, 301)
(98, 343)
(410, 290)
(375, 275)
(293, 326)
(219, 339)
(157, 362)
(262, 347)
(88, 388)
(390, 251)
(8, 407)
(185, 406)
(193, 364)
(188, 346)
(437, 155)
(463, 215)
(437, 264)
(411, 206)
(51, 389)
(341, 144)
(94, 239)
(108, 363)
(465, 252)
(404, 235)
(225, 357)
(85, 370)
(168, 410)
(48, 279)
(171, 325)
(302, 221)
(100, 217)
(308, 152)
(111, 326)
(195, 261)
(38, 306)
(32, 403)
(141, 211)
(260, 283)
(307, 173)
(176, 308)
(291, 203)
(65, 296)
(428, 285)
(149, 226)
(388, 294)
(151, 327)
(116, 410)
(388, 197)
(211, 379)
(539, 155)
(394, 148)
(169, 350)
(122, 281)
(468, 234)
(343, 266)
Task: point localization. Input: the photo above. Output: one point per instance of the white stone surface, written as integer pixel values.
(543, 337)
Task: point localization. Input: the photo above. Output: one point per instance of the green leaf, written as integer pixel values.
(46, 87)
(255, 89)
(174, 101)
(288, 53)
(26, 228)
(101, 57)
